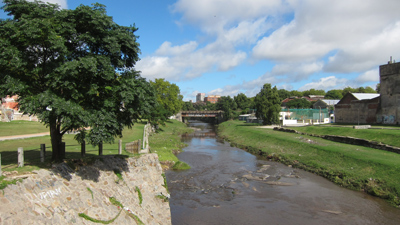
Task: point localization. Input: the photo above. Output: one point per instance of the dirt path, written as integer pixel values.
(14, 137)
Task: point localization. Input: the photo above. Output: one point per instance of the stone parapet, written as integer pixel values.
(128, 190)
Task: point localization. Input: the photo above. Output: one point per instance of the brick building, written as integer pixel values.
(212, 98)
(357, 108)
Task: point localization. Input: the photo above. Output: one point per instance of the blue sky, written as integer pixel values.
(226, 47)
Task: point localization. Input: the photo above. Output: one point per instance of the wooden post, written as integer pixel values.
(139, 145)
(83, 149)
(42, 152)
(144, 134)
(119, 147)
(0, 165)
(101, 148)
(20, 157)
(62, 145)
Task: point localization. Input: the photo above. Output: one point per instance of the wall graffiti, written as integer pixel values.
(391, 119)
(44, 195)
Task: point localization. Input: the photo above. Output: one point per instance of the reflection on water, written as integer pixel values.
(227, 185)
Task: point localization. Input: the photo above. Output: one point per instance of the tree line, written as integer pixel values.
(241, 104)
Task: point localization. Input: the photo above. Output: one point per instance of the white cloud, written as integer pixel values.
(62, 3)
(369, 76)
(325, 83)
(297, 71)
(338, 37)
(166, 49)
(213, 15)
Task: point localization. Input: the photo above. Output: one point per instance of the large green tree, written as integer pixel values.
(228, 105)
(73, 69)
(168, 97)
(268, 105)
(334, 94)
(242, 101)
(299, 103)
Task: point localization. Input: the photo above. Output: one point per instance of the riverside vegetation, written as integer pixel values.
(374, 171)
(166, 142)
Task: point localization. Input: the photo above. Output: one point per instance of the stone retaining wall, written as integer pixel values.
(347, 140)
(59, 195)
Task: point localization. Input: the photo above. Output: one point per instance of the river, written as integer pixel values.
(227, 185)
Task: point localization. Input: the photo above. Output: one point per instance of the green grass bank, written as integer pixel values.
(384, 135)
(359, 168)
(31, 146)
(166, 142)
(19, 127)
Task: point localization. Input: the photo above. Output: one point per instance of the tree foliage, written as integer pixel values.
(242, 101)
(169, 99)
(299, 103)
(283, 94)
(73, 69)
(228, 105)
(268, 105)
(312, 91)
(334, 94)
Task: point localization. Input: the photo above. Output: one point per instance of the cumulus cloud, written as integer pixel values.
(213, 15)
(369, 76)
(363, 33)
(321, 36)
(325, 83)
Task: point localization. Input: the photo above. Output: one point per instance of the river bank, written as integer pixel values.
(166, 142)
(373, 171)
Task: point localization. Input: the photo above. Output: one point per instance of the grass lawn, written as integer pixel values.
(31, 146)
(385, 136)
(18, 127)
(167, 140)
(376, 172)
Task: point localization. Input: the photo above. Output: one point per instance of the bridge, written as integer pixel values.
(218, 115)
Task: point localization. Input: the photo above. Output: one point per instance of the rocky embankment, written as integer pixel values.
(111, 189)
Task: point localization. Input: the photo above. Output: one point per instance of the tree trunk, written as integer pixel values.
(56, 139)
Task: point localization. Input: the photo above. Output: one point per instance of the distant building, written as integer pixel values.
(212, 98)
(325, 103)
(383, 108)
(316, 97)
(200, 97)
(357, 108)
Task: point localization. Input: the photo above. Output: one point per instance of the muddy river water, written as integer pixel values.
(228, 185)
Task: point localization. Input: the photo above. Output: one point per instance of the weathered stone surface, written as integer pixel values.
(57, 196)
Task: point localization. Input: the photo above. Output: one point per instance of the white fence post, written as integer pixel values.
(119, 147)
(144, 136)
(20, 157)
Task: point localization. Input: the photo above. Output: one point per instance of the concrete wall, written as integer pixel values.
(390, 94)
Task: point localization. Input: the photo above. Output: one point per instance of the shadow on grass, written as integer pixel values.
(250, 125)
(88, 167)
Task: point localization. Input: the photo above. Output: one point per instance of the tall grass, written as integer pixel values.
(376, 172)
